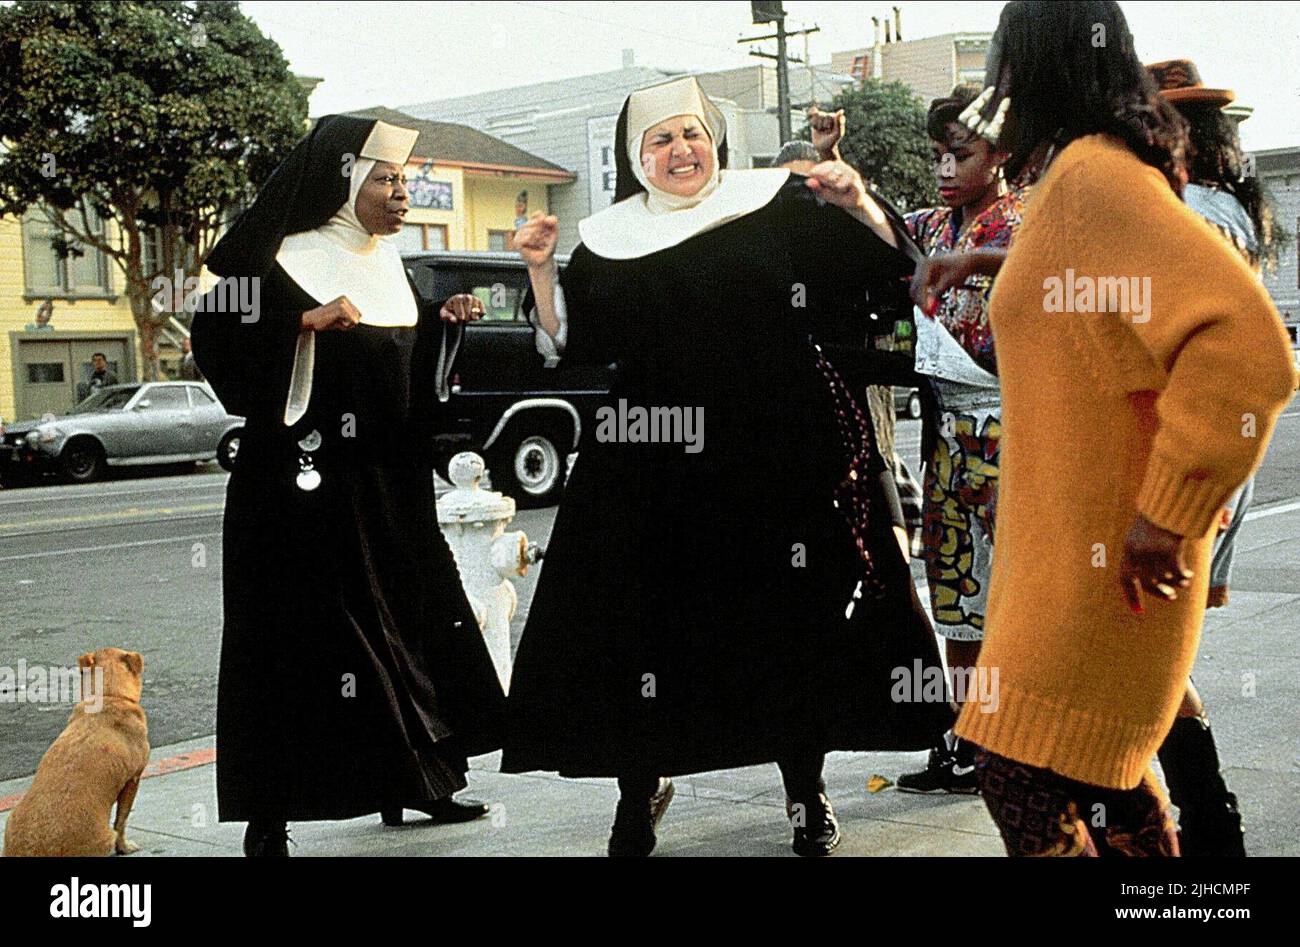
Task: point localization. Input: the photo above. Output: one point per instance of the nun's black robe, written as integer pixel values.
(691, 611)
(353, 674)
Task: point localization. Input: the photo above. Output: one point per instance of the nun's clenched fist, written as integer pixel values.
(337, 315)
(827, 130)
(537, 238)
(463, 307)
(837, 183)
(840, 184)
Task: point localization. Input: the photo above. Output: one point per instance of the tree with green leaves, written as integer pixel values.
(160, 116)
(885, 140)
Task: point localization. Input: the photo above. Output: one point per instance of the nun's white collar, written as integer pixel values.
(630, 229)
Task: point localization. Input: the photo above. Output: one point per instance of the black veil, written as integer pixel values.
(305, 191)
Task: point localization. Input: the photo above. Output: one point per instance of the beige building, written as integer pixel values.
(930, 67)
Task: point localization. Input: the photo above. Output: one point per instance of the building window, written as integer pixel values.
(44, 373)
(410, 237)
(415, 237)
(499, 240)
(151, 256)
(84, 271)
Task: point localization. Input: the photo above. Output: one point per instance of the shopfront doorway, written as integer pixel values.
(52, 374)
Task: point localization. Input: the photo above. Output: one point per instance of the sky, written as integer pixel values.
(395, 54)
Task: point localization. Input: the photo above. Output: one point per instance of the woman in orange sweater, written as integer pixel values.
(1118, 312)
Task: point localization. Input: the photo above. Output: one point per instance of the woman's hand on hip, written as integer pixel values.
(1152, 562)
(537, 238)
(463, 307)
(338, 315)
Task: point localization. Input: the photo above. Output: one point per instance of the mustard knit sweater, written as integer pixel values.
(1162, 409)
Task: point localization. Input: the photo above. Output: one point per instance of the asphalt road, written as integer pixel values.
(136, 562)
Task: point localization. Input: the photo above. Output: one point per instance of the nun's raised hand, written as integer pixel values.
(335, 316)
(463, 307)
(837, 183)
(537, 238)
(827, 130)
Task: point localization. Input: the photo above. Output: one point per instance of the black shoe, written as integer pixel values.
(1208, 821)
(816, 831)
(441, 812)
(266, 840)
(635, 821)
(945, 771)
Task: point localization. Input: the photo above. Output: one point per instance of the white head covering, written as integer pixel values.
(656, 220)
(342, 258)
(646, 108)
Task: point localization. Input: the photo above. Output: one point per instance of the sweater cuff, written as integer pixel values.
(1172, 500)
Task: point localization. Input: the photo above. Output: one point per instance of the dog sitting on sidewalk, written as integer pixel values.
(97, 760)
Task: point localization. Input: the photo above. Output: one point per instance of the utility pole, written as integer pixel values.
(774, 12)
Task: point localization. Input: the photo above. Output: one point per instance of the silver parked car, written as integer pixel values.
(166, 422)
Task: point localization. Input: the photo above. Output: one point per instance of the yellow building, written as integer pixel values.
(468, 189)
(45, 355)
(468, 192)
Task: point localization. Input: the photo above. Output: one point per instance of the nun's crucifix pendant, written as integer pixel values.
(308, 476)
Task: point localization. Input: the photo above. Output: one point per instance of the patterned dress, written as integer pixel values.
(961, 474)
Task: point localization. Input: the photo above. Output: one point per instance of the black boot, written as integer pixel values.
(440, 811)
(1208, 820)
(266, 839)
(641, 804)
(816, 830)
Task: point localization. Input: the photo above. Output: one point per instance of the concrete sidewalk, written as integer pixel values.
(1248, 674)
(736, 812)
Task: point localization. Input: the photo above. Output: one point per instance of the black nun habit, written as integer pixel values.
(353, 674)
(746, 602)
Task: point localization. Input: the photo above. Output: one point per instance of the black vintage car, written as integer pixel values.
(523, 418)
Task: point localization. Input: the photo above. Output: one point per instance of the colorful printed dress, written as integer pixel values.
(956, 350)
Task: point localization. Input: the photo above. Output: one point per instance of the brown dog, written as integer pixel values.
(97, 760)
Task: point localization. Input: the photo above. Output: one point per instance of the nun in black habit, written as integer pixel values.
(353, 678)
(742, 598)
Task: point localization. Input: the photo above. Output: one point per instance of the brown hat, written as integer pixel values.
(1179, 82)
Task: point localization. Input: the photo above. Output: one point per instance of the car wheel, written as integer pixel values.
(82, 461)
(530, 465)
(914, 406)
(228, 449)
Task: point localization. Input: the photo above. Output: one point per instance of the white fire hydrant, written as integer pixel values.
(474, 522)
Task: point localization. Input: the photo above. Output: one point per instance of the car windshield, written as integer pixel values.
(106, 399)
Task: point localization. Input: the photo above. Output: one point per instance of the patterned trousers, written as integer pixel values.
(1041, 813)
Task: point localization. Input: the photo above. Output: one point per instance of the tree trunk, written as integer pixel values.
(146, 324)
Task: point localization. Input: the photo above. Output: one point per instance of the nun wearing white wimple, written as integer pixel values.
(722, 587)
(353, 676)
